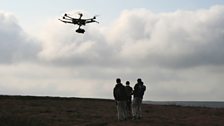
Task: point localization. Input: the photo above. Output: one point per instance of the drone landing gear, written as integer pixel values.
(79, 30)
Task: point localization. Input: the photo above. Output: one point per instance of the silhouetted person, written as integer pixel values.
(139, 90)
(129, 92)
(120, 97)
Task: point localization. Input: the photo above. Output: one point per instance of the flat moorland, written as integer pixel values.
(57, 111)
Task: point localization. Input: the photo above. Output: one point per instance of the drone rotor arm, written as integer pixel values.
(64, 21)
(90, 21)
(67, 16)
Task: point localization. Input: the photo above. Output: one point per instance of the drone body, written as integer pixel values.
(78, 21)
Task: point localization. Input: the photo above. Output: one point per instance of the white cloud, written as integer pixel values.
(177, 54)
(175, 39)
(15, 45)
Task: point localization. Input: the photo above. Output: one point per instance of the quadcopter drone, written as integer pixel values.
(78, 21)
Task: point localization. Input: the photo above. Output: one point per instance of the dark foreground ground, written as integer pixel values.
(53, 111)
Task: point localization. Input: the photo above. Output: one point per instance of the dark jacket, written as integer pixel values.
(119, 92)
(139, 90)
(129, 92)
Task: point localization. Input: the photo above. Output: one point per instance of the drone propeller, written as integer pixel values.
(80, 14)
(94, 17)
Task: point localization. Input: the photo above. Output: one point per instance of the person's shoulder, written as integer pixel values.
(144, 87)
(128, 87)
(116, 86)
(120, 85)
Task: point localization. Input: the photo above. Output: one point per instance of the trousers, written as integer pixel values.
(121, 110)
(136, 107)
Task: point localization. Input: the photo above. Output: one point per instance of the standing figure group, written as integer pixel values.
(123, 97)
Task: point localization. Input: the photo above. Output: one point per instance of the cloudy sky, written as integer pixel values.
(176, 47)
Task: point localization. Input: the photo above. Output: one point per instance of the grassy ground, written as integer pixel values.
(52, 111)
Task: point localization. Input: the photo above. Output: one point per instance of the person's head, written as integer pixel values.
(118, 80)
(139, 80)
(127, 83)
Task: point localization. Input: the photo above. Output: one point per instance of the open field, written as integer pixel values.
(55, 111)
